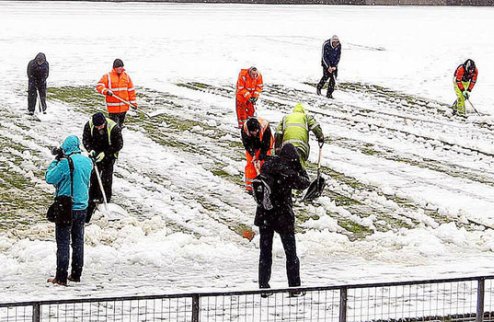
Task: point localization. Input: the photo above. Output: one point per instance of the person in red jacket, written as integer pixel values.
(249, 87)
(258, 141)
(117, 87)
(464, 80)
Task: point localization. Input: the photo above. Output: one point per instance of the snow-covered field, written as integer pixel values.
(410, 188)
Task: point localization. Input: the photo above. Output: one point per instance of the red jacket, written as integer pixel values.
(464, 76)
(247, 86)
(122, 86)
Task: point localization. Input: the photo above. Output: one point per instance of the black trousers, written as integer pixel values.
(32, 94)
(266, 257)
(119, 118)
(105, 169)
(332, 80)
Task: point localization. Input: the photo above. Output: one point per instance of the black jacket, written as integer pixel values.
(288, 174)
(98, 141)
(330, 55)
(252, 144)
(36, 72)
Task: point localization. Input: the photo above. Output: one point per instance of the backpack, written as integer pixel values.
(262, 189)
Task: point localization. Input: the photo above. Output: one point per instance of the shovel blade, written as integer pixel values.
(315, 189)
(112, 211)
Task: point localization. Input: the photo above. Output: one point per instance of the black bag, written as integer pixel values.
(262, 188)
(60, 212)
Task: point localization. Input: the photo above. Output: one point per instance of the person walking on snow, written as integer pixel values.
(58, 174)
(102, 138)
(258, 141)
(286, 173)
(114, 85)
(38, 71)
(294, 128)
(249, 87)
(465, 78)
(331, 53)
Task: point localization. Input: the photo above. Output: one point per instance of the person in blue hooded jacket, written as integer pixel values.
(58, 174)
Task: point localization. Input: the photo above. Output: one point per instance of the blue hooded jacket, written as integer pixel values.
(58, 173)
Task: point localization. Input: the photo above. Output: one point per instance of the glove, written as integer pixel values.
(321, 142)
(92, 154)
(466, 94)
(109, 93)
(253, 100)
(100, 157)
(58, 153)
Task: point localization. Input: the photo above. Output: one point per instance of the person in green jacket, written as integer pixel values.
(294, 128)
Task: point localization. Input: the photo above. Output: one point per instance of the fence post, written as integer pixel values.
(480, 299)
(195, 308)
(36, 312)
(343, 307)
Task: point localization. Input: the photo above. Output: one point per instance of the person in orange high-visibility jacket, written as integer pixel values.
(249, 87)
(114, 85)
(464, 80)
(258, 141)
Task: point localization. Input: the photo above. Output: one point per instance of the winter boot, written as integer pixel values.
(74, 278)
(318, 90)
(56, 282)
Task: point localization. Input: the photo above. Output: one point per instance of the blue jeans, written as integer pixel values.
(63, 235)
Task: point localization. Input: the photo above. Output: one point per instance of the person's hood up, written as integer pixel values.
(299, 108)
(40, 57)
(289, 152)
(71, 145)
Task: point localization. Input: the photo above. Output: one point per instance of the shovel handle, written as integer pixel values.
(100, 183)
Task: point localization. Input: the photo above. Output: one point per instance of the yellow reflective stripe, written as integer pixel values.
(302, 125)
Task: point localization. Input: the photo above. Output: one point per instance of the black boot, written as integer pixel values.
(318, 90)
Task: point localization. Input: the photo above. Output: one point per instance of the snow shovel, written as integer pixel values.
(317, 186)
(109, 214)
(473, 107)
(247, 232)
(132, 105)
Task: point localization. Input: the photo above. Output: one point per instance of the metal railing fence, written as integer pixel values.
(448, 300)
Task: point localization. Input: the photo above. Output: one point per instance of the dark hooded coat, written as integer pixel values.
(287, 174)
(38, 73)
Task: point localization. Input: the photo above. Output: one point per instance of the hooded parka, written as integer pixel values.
(294, 128)
(58, 173)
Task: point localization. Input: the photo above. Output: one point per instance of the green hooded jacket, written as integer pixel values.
(294, 128)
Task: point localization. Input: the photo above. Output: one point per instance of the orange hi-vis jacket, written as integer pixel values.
(464, 76)
(122, 86)
(247, 86)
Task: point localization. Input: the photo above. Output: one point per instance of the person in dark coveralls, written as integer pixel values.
(331, 53)
(102, 138)
(58, 174)
(38, 71)
(286, 173)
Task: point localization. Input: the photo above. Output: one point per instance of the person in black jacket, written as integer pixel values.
(102, 138)
(331, 53)
(286, 173)
(38, 70)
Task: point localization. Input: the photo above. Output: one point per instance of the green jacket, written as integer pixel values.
(294, 128)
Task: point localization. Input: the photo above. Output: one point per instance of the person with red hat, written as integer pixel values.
(119, 92)
(249, 87)
(258, 141)
(465, 78)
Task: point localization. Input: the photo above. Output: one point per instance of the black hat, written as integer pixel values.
(253, 124)
(99, 119)
(118, 63)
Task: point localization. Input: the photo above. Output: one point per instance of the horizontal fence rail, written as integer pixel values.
(449, 300)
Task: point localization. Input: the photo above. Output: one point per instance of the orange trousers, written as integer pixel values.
(250, 169)
(245, 109)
